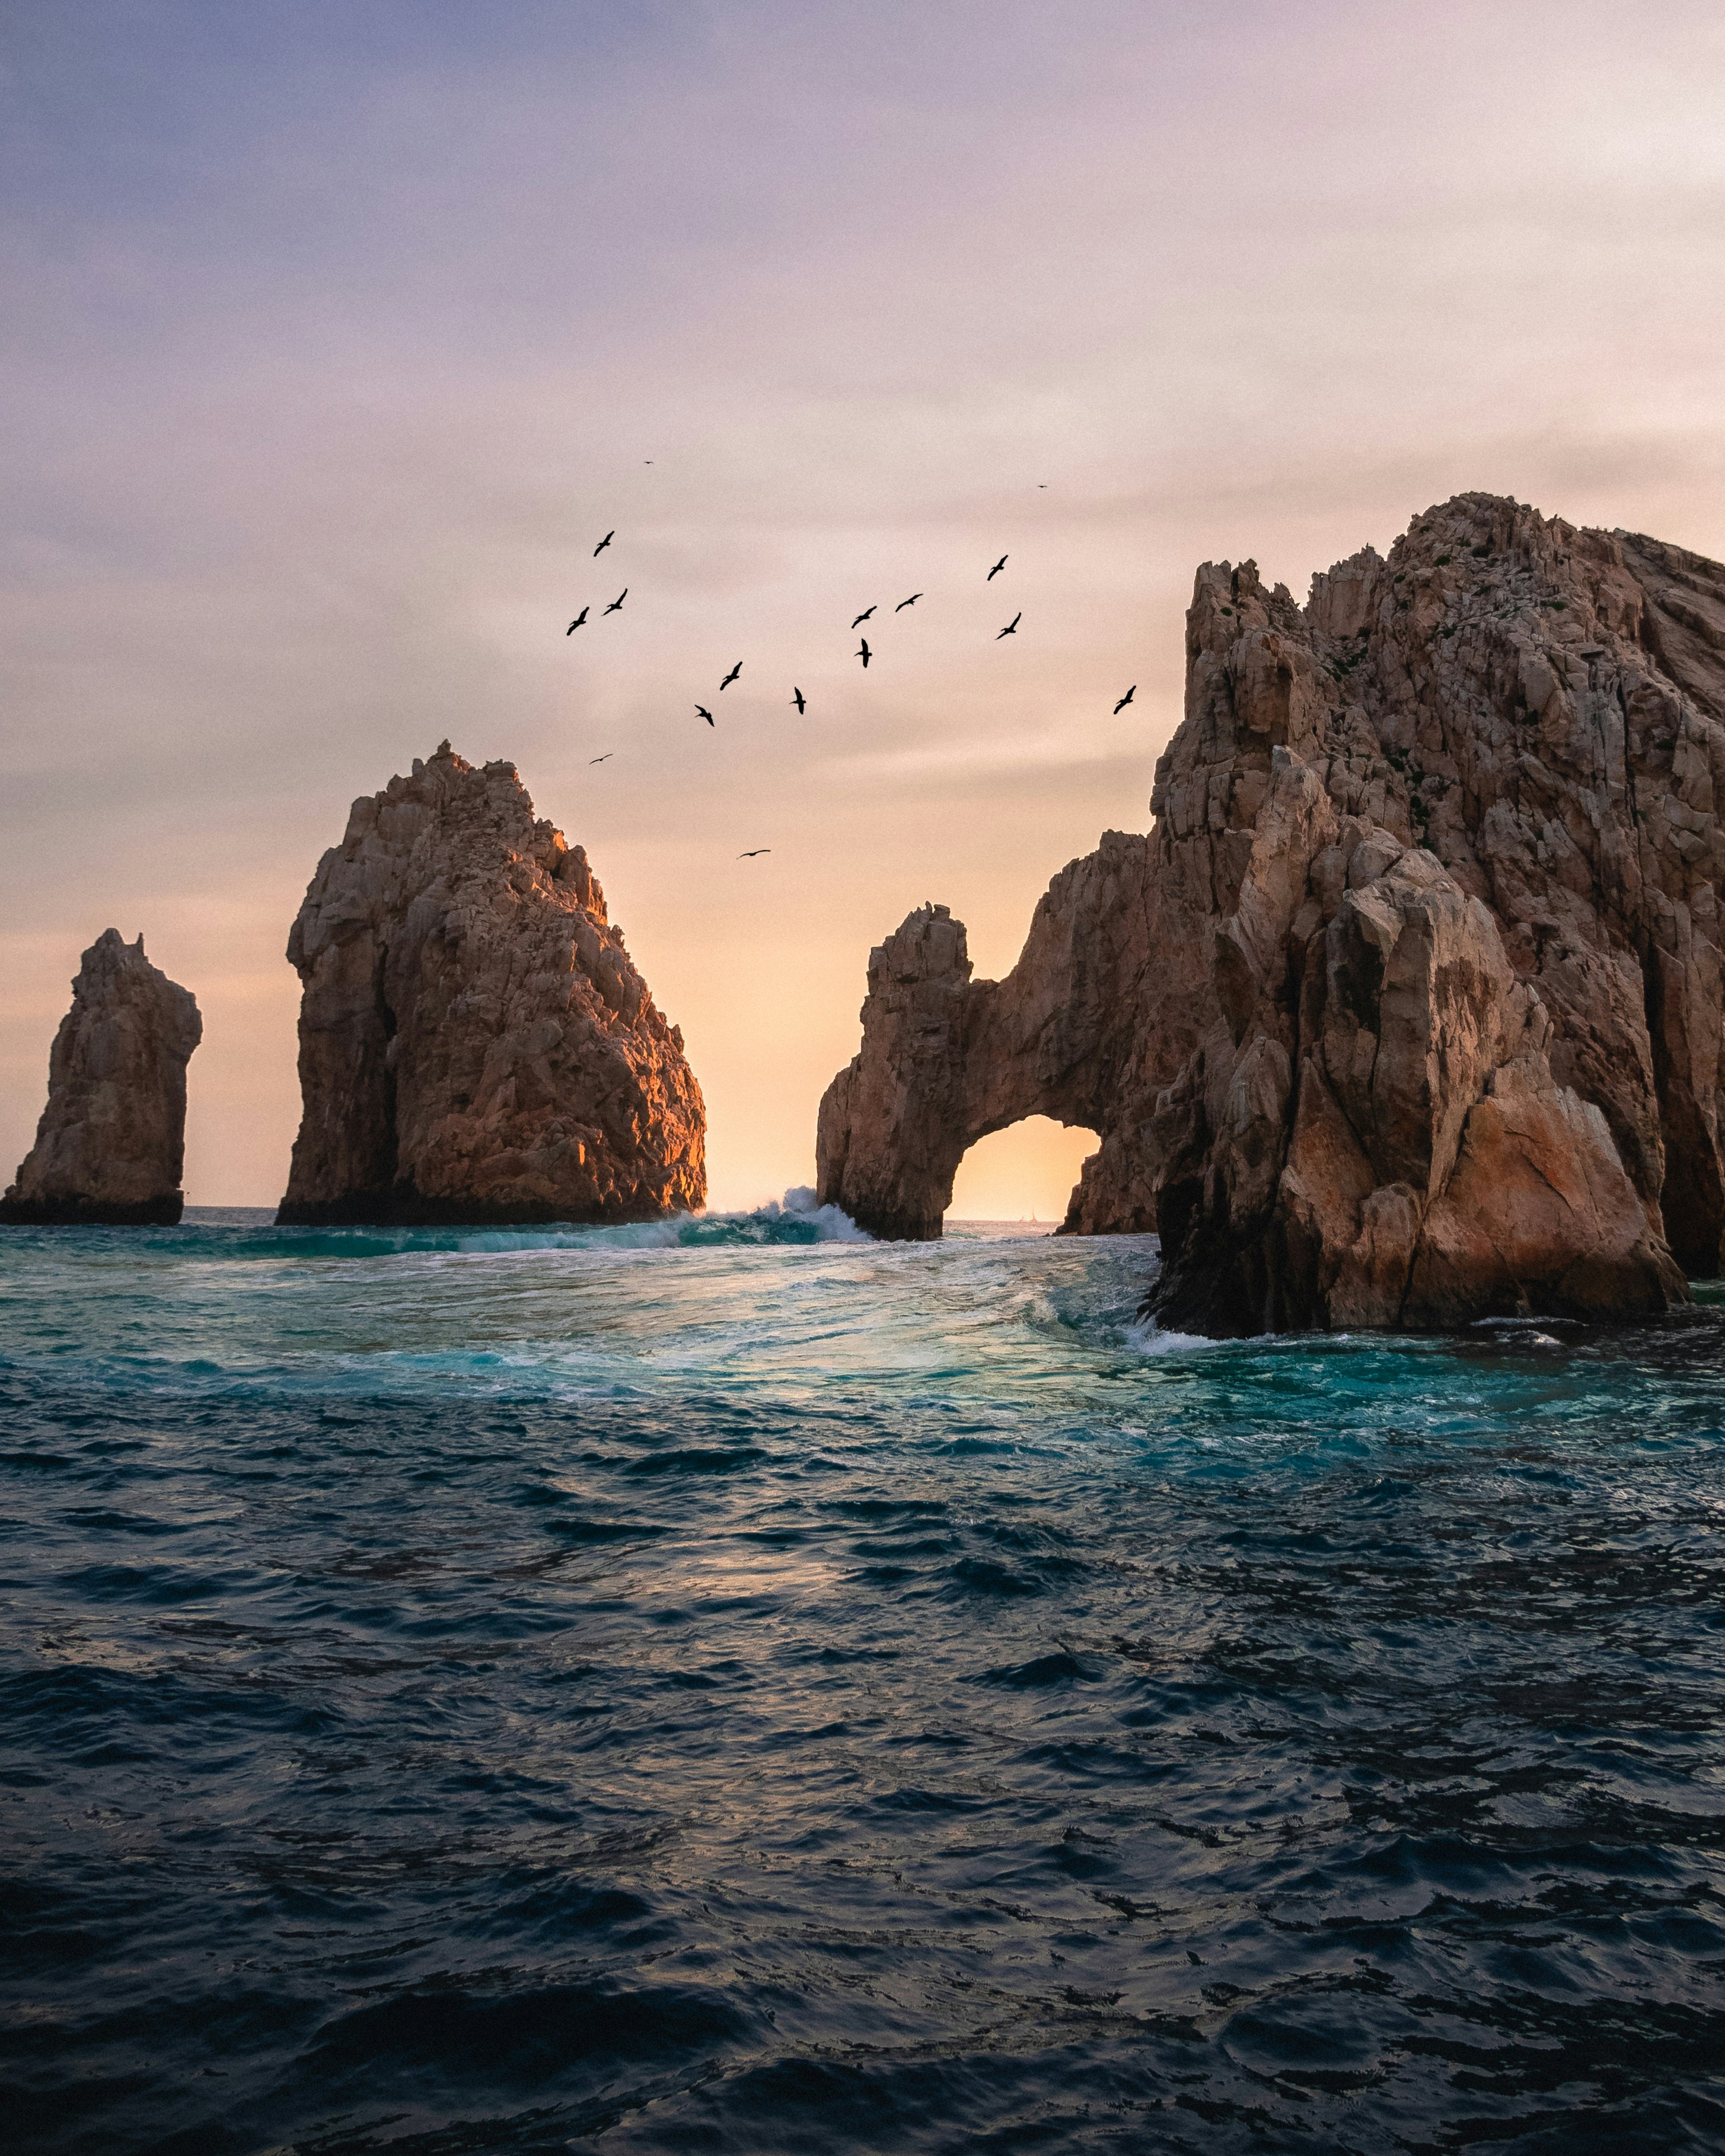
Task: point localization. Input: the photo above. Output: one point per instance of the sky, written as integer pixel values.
(335, 336)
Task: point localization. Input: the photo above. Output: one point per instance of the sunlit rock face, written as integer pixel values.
(475, 1045)
(1413, 999)
(110, 1146)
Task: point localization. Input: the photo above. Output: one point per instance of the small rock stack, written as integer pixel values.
(475, 1045)
(110, 1146)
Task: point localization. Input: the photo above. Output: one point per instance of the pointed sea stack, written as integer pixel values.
(1410, 1009)
(109, 1149)
(476, 1046)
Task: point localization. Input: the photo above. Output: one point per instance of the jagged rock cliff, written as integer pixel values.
(474, 1044)
(1409, 1009)
(110, 1146)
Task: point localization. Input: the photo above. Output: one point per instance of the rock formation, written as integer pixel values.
(945, 1059)
(110, 1146)
(475, 1045)
(1410, 1008)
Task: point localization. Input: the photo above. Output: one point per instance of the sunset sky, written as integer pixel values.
(338, 334)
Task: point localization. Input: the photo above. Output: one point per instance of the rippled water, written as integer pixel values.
(717, 1688)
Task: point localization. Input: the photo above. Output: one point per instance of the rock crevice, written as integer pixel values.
(1408, 1010)
(475, 1044)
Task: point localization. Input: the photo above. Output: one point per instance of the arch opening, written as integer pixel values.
(1023, 1173)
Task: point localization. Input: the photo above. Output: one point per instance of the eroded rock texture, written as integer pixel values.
(1409, 1009)
(474, 1044)
(110, 1146)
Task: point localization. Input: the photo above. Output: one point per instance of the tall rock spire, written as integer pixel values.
(110, 1146)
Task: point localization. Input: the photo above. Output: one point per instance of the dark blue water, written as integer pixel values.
(725, 1690)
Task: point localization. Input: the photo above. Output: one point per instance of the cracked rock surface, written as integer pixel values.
(1408, 1010)
(475, 1044)
(110, 1148)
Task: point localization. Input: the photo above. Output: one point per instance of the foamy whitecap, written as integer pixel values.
(1147, 1337)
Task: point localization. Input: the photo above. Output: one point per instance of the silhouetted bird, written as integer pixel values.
(864, 655)
(800, 700)
(603, 544)
(996, 570)
(1012, 627)
(617, 601)
(903, 604)
(861, 619)
(754, 854)
(1125, 699)
(704, 713)
(576, 623)
(731, 676)
(605, 758)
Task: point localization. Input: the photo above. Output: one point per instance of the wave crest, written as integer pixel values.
(794, 1219)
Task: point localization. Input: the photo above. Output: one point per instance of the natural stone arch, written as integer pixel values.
(1408, 1011)
(947, 1060)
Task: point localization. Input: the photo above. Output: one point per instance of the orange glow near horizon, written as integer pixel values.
(1025, 1173)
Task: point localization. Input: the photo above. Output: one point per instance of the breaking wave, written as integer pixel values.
(244, 1232)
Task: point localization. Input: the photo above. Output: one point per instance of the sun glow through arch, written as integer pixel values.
(1026, 1170)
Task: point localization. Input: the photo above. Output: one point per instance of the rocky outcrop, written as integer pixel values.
(1409, 1009)
(946, 1060)
(110, 1146)
(475, 1045)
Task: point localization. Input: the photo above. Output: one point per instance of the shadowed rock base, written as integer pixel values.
(408, 1209)
(1410, 1008)
(163, 1212)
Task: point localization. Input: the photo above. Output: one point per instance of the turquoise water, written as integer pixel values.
(733, 1686)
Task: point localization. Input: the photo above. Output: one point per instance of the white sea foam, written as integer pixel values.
(834, 1226)
(1148, 1337)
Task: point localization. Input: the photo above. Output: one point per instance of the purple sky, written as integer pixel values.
(337, 334)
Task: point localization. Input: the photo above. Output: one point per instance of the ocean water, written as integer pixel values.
(735, 1687)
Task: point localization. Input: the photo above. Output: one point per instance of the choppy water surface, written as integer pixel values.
(719, 1689)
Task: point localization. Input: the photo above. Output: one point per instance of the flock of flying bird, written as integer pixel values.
(797, 699)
